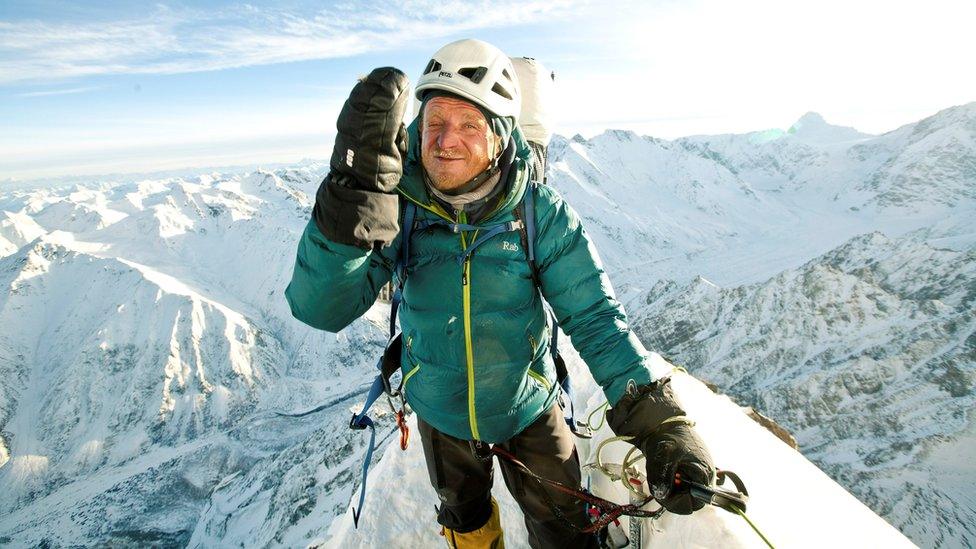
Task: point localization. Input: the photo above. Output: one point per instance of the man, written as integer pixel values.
(475, 356)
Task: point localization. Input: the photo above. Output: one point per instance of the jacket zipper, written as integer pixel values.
(466, 305)
(468, 347)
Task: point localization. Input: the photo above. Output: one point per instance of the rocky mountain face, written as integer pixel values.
(866, 353)
(823, 276)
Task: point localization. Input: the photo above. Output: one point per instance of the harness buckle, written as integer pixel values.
(358, 424)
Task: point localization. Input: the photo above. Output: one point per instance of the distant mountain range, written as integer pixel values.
(824, 276)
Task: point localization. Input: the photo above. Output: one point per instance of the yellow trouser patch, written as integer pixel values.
(488, 536)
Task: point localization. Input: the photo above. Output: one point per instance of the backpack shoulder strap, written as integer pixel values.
(526, 213)
(400, 267)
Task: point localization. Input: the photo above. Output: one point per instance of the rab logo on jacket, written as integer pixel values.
(510, 247)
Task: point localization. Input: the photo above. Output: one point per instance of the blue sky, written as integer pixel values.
(103, 87)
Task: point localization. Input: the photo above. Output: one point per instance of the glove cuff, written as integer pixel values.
(642, 410)
(356, 217)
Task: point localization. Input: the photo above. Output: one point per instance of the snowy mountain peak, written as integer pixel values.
(809, 120)
(957, 121)
(619, 135)
(812, 128)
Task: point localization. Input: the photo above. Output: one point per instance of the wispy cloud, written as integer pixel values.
(66, 91)
(170, 41)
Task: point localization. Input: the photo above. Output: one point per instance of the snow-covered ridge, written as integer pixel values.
(151, 340)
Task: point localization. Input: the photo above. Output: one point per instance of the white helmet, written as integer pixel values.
(477, 71)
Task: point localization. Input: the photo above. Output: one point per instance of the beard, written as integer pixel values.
(450, 170)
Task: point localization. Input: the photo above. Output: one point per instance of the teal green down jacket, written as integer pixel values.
(476, 359)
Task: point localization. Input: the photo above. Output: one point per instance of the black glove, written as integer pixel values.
(653, 417)
(356, 203)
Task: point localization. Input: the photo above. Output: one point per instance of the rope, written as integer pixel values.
(603, 417)
(599, 453)
(743, 515)
(607, 510)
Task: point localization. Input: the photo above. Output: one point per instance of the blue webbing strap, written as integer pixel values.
(361, 420)
(400, 268)
(528, 209)
(490, 231)
(453, 227)
(497, 229)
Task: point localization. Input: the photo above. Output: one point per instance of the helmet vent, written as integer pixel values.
(501, 91)
(475, 74)
(432, 66)
(506, 75)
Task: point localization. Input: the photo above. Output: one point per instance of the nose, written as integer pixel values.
(448, 137)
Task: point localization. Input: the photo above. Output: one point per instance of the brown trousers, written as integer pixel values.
(463, 482)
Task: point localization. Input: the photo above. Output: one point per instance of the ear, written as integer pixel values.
(497, 147)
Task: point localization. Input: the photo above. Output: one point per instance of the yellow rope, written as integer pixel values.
(589, 419)
(599, 453)
(743, 515)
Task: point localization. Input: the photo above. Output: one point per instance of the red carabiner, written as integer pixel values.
(404, 430)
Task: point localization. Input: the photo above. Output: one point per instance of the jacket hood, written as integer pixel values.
(412, 184)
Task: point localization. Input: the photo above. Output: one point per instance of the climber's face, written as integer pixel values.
(456, 142)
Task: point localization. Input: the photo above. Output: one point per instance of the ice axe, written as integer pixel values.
(730, 500)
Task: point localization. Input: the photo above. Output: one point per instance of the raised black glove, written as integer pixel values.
(356, 203)
(653, 417)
